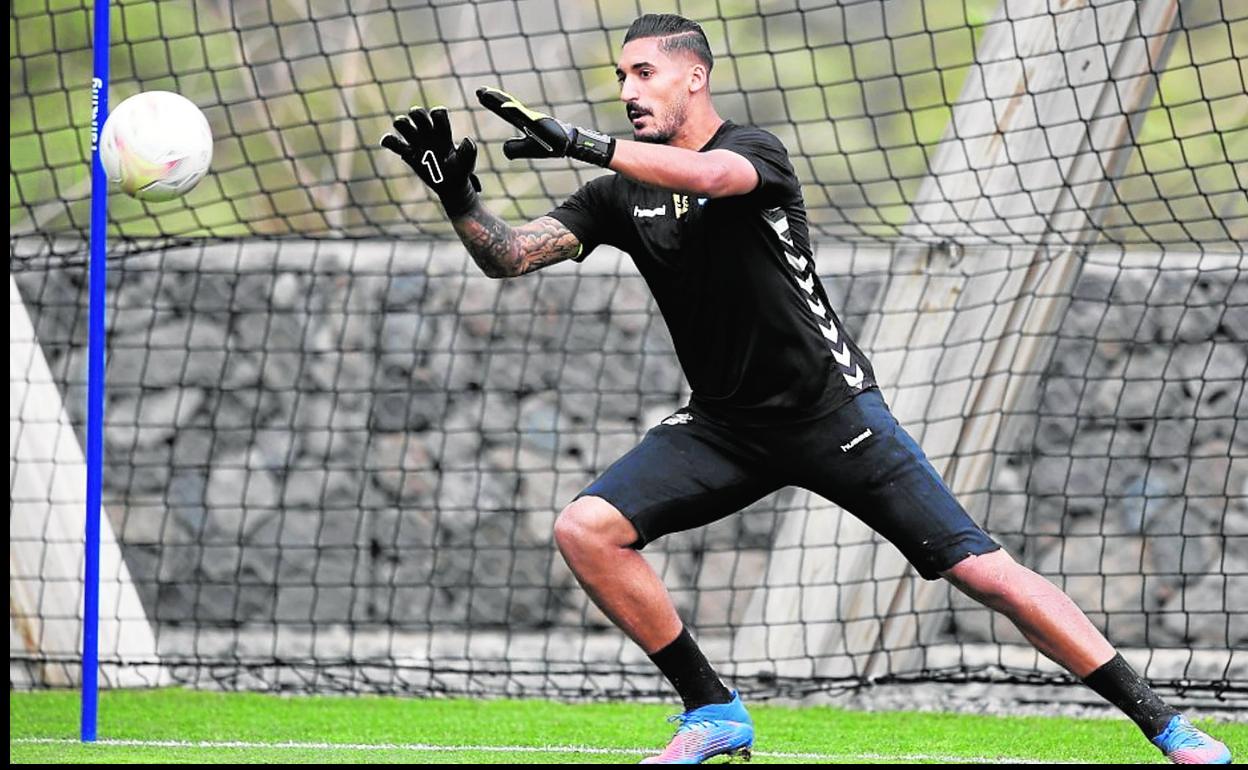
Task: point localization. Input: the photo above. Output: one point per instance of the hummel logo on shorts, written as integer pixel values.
(861, 437)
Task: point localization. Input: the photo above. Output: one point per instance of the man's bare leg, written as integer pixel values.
(1062, 632)
(594, 539)
(1040, 610)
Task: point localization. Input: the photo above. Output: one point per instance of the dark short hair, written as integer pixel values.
(678, 33)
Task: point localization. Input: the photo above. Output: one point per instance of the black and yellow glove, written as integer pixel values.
(424, 143)
(545, 136)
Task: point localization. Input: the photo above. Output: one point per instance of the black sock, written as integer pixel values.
(684, 665)
(1118, 683)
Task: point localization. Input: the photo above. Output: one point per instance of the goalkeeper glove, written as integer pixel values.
(544, 136)
(424, 143)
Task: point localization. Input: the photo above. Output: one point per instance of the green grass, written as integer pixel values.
(384, 729)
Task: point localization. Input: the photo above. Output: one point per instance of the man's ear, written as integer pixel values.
(697, 78)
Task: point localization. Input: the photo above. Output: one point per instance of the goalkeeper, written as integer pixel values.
(712, 214)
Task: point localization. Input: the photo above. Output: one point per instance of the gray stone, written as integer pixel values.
(406, 466)
(405, 291)
(510, 371)
(310, 415)
(499, 413)
(1102, 576)
(147, 469)
(1006, 512)
(322, 488)
(192, 447)
(612, 440)
(456, 449)
(1179, 543)
(1129, 439)
(476, 490)
(280, 371)
(541, 422)
(1234, 321)
(1050, 435)
(1225, 372)
(235, 483)
(1071, 356)
(287, 292)
(1049, 475)
(337, 371)
(186, 352)
(151, 418)
(1201, 614)
(1138, 399)
(404, 332)
(139, 524)
(1196, 323)
(549, 489)
(1171, 437)
(1236, 523)
(241, 293)
(415, 405)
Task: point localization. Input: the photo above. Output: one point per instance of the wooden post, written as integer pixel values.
(959, 338)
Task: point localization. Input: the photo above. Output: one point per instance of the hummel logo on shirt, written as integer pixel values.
(659, 211)
(861, 437)
(680, 418)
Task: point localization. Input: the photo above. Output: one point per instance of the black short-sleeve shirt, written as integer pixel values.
(736, 283)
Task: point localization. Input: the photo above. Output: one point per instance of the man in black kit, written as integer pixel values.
(712, 214)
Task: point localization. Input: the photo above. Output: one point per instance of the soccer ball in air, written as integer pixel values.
(156, 146)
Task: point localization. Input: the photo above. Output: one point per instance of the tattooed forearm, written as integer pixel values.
(490, 241)
(502, 251)
(545, 241)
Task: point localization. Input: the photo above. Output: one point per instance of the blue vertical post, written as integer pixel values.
(95, 382)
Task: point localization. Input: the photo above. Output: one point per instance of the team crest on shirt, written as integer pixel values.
(680, 204)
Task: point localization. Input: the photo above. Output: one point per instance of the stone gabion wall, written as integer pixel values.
(375, 434)
(1130, 483)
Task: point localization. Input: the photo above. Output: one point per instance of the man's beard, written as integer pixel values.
(660, 137)
(663, 133)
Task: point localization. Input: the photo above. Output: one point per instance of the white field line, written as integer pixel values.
(513, 750)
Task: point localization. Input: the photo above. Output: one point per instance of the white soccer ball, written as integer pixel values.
(156, 146)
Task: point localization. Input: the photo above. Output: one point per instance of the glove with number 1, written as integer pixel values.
(424, 143)
(545, 136)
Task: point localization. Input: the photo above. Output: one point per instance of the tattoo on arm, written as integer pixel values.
(545, 241)
(501, 250)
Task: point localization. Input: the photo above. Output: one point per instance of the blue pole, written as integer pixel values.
(95, 382)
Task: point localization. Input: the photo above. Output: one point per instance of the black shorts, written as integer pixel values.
(689, 471)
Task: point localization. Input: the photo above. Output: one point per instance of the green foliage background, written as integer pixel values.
(298, 95)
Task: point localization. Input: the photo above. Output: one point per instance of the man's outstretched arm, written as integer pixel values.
(503, 251)
(423, 141)
(715, 174)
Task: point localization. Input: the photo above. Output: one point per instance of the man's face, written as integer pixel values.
(654, 89)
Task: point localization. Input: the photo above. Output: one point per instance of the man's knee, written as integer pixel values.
(591, 522)
(989, 578)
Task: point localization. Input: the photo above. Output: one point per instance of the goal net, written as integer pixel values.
(335, 451)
